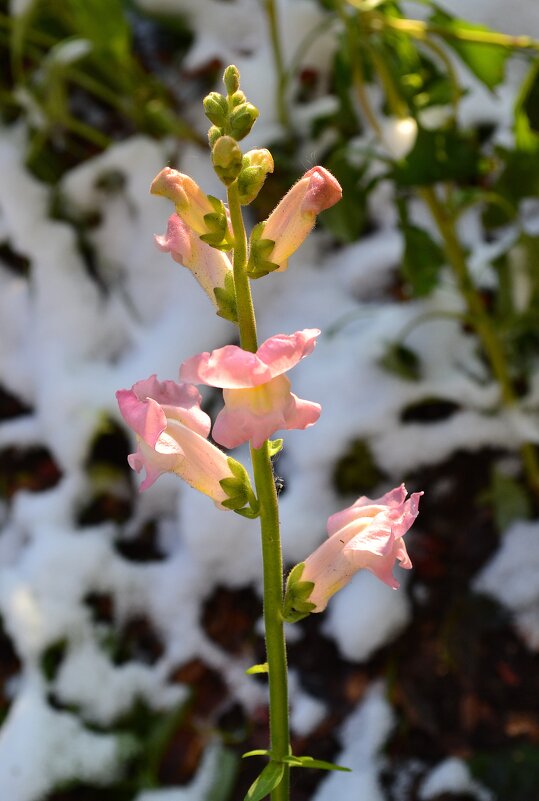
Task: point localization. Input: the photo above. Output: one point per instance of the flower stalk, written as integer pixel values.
(269, 521)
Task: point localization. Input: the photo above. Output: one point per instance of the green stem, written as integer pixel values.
(420, 29)
(481, 322)
(269, 522)
(282, 77)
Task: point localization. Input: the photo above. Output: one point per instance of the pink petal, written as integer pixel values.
(282, 352)
(256, 414)
(230, 367)
(179, 401)
(176, 240)
(323, 191)
(146, 418)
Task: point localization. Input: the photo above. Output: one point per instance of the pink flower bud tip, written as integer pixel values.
(293, 218)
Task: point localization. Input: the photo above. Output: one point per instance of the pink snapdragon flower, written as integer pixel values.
(211, 267)
(293, 218)
(257, 396)
(192, 204)
(172, 433)
(369, 534)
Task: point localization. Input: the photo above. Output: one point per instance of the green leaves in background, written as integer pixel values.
(347, 221)
(486, 61)
(421, 261)
(443, 155)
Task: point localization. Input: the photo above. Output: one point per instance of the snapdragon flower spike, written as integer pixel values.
(367, 535)
(293, 218)
(172, 433)
(257, 396)
(211, 267)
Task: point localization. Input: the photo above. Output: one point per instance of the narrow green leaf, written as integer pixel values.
(268, 780)
(309, 762)
(257, 751)
(261, 668)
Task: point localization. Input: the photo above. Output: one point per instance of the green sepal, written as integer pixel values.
(275, 446)
(310, 762)
(241, 498)
(253, 671)
(259, 250)
(296, 604)
(225, 297)
(256, 752)
(217, 225)
(267, 781)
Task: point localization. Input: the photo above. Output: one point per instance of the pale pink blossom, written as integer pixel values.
(369, 534)
(293, 218)
(172, 433)
(192, 204)
(257, 396)
(211, 267)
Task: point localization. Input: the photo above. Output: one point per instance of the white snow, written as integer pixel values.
(512, 577)
(452, 776)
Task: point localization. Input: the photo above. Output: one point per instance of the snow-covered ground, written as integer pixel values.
(66, 346)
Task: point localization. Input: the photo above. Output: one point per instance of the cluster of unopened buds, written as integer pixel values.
(172, 430)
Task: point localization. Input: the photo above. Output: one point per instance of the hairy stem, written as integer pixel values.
(269, 522)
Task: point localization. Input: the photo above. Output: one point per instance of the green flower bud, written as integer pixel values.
(216, 108)
(255, 166)
(237, 98)
(213, 135)
(227, 159)
(231, 79)
(242, 119)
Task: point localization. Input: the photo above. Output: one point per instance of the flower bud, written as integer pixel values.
(242, 119)
(216, 108)
(231, 79)
(227, 159)
(213, 135)
(237, 98)
(293, 218)
(192, 204)
(256, 165)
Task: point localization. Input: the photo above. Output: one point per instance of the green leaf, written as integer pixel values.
(274, 446)
(509, 499)
(346, 221)
(486, 61)
(422, 260)
(446, 155)
(402, 361)
(252, 671)
(268, 780)
(257, 751)
(309, 762)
